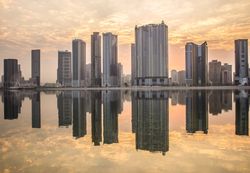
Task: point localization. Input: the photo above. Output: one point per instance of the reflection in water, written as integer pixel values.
(150, 120)
(36, 111)
(79, 114)
(196, 112)
(242, 108)
(150, 112)
(96, 117)
(112, 106)
(64, 106)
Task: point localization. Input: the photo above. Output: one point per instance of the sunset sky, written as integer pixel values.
(50, 25)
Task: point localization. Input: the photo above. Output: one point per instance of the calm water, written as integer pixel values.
(125, 131)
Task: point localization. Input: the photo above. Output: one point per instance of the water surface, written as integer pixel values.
(125, 131)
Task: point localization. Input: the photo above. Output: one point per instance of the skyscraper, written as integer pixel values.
(241, 61)
(35, 66)
(151, 44)
(215, 72)
(196, 64)
(133, 65)
(64, 68)
(10, 73)
(110, 55)
(174, 77)
(96, 79)
(78, 63)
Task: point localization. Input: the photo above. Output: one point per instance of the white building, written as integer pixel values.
(151, 47)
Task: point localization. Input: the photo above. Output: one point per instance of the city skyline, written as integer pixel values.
(223, 23)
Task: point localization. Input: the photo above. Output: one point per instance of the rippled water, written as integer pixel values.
(125, 131)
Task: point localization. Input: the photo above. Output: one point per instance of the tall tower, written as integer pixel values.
(64, 68)
(96, 79)
(196, 64)
(241, 61)
(151, 44)
(35, 66)
(110, 58)
(10, 72)
(78, 63)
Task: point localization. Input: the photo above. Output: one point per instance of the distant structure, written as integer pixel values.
(133, 64)
(110, 60)
(215, 72)
(181, 77)
(78, 63)
(241, 62)
(151, 55)
(88, 75)
(96, 78)
(174, 77)
(226, 74)
(11, 73)
(196, 64)
(64, 68)
(35, 67)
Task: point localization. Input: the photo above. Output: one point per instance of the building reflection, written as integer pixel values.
(96, 117)
(112, 106)
(12, 104)
(79, 114)
(242, 108)
(196, 112)
(64, 106)
(220, 100)
(36, 110)
(150, 120)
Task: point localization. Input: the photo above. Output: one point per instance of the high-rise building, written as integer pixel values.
(241, 62)
(78, 63)
(226, 74)
(196, 64)
(133, 64)
(64, 68)
(110, 59)
(35, 66)
(96, 76)
(174, 77)
(215, 72)
(151, 44)
(10, 73)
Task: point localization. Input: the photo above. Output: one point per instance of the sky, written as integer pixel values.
(50, 25)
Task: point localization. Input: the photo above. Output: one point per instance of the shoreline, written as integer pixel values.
(146, 88)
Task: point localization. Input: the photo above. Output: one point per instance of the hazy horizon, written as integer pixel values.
(51, 26)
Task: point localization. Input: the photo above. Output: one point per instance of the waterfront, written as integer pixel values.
(125, 130)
